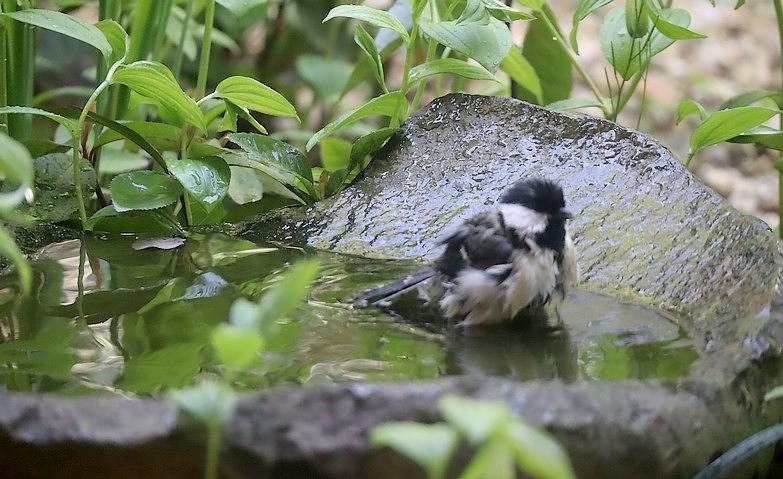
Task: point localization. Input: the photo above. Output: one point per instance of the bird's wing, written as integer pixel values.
(479, 243)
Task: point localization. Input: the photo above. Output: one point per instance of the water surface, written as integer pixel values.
(106, 317)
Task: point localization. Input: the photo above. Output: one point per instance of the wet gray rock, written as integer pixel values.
(646, 230)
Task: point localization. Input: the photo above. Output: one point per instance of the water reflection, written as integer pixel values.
(106, 317)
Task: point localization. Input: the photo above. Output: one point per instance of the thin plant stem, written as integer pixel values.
(3, 73)
(779, 16)
(183, 155)
(206, 48)
(180, 53)
(406, 71)
(431, 49)
(213, 449)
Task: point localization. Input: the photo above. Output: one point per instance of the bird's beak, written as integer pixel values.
(563, 214)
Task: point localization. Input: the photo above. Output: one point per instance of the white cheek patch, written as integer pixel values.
(522, 219)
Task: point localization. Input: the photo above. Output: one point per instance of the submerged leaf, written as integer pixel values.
(144, 190)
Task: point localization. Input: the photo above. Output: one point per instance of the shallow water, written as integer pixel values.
(106, 317)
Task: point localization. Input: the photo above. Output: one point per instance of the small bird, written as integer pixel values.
(514, 258)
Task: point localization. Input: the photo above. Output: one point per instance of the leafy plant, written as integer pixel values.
(16, 169)
(238, 344)
(503, 442)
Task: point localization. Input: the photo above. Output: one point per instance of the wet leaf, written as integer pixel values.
(144, 190)
(369, 144)
(487, 44)
(156, 222)
(129, 133)
(206, 180)
(373, 16)
(449, 66)
(504, 13)
(254, 95)
(431, 446)
(55, 199)
(160, 136)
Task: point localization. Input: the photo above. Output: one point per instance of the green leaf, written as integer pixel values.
(115, 161)
(748, 98)
(504, 13)
(690, 107)
(206, 180)
(478, 420)
(67, 25)
(538, 454)
(254, 95)
(494, 459)
(40, 147)
(637, 18)
(367, 44)
(137, 137)
(16, 165)
(69, 124)
(452, 66)
(171, 367)
(287, 293)
(160, 136)
(673, 31)
(534, 4)
(154, 80)
(370, 143)
(55, 198)
(573, 103)
(430, 446)
(117, 38)
(232, 112)
(487, 44)
(236, 347)
(153, 222)
(144, 190)
(522, 72)
(240, 7)
(335, 154)
(776, 393)
(583, 9)
(549, 59)
(725, 124)
(212, 403)
(277, 159)
(9, 250)
(768, 137)
(327, 76)
(386, 105)
(373, 16)
(628, 55)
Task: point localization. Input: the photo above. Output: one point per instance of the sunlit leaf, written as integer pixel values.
(236, 347)
(449, 66)
(690, 107)
(367, 44)
(751, 97)
(573, 103)
(373, 16)
(144, 190)
(725, 124)
(487, 44)
(205, 179)
(583, 9)
(503, 12)
(69, 124)
(116, 36)
(335, 154)
(673, 31)
(254, 95)
(762, 135)
(522, 72)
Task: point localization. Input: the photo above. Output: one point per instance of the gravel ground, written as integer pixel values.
(741, 53)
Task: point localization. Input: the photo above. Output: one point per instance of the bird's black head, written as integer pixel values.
(538, 194)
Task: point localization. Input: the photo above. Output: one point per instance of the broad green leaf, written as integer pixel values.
(627, 54)
(278, 159)
(206, 180)
(478, 420)
(160, 136)
(768, 137)
(115, 161)
(144, 190)
(690, 107)
(748, 98)
(287, 293)
(538, 453)
(675, 32)
(117, 38)
(725, 124)
(494, 459)
(67, 25)
(335, 154)
(171, 367)
(430, 446)
(504, 13)
(474, 12)
(385, 105)
(236, 347)
(154, 222)
(370, 143)
(637, 18)
(233, 112)
(534, 4)
(49, 352)
(452, 66)
(487, 44)
(55, 198)
(16, 165)
(137, 137)
(327, 76)
(9, 250)
(573, 103)
(549, 59)
(254, 95)
(241, 7)
(583, 9)
(522, 72)
(40, 147)
(212, 403)
(774, 394)
(69, 124)
(154, 80)
(373, 16)
(367, 44)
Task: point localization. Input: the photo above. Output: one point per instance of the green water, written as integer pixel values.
(106, 317)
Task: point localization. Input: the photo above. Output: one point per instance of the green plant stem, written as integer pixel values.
(625, 96)
(20, 53)
(542, 14)
(164, 13)
(213, 449)
(183, 155)
(206, 48)
(431, 50)
(3, 73)
(180, 53)
(406, 71)
(779, 16)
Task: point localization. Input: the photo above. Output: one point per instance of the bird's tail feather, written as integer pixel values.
(387, 291)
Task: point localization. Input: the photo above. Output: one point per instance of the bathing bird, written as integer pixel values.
(502, 263)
